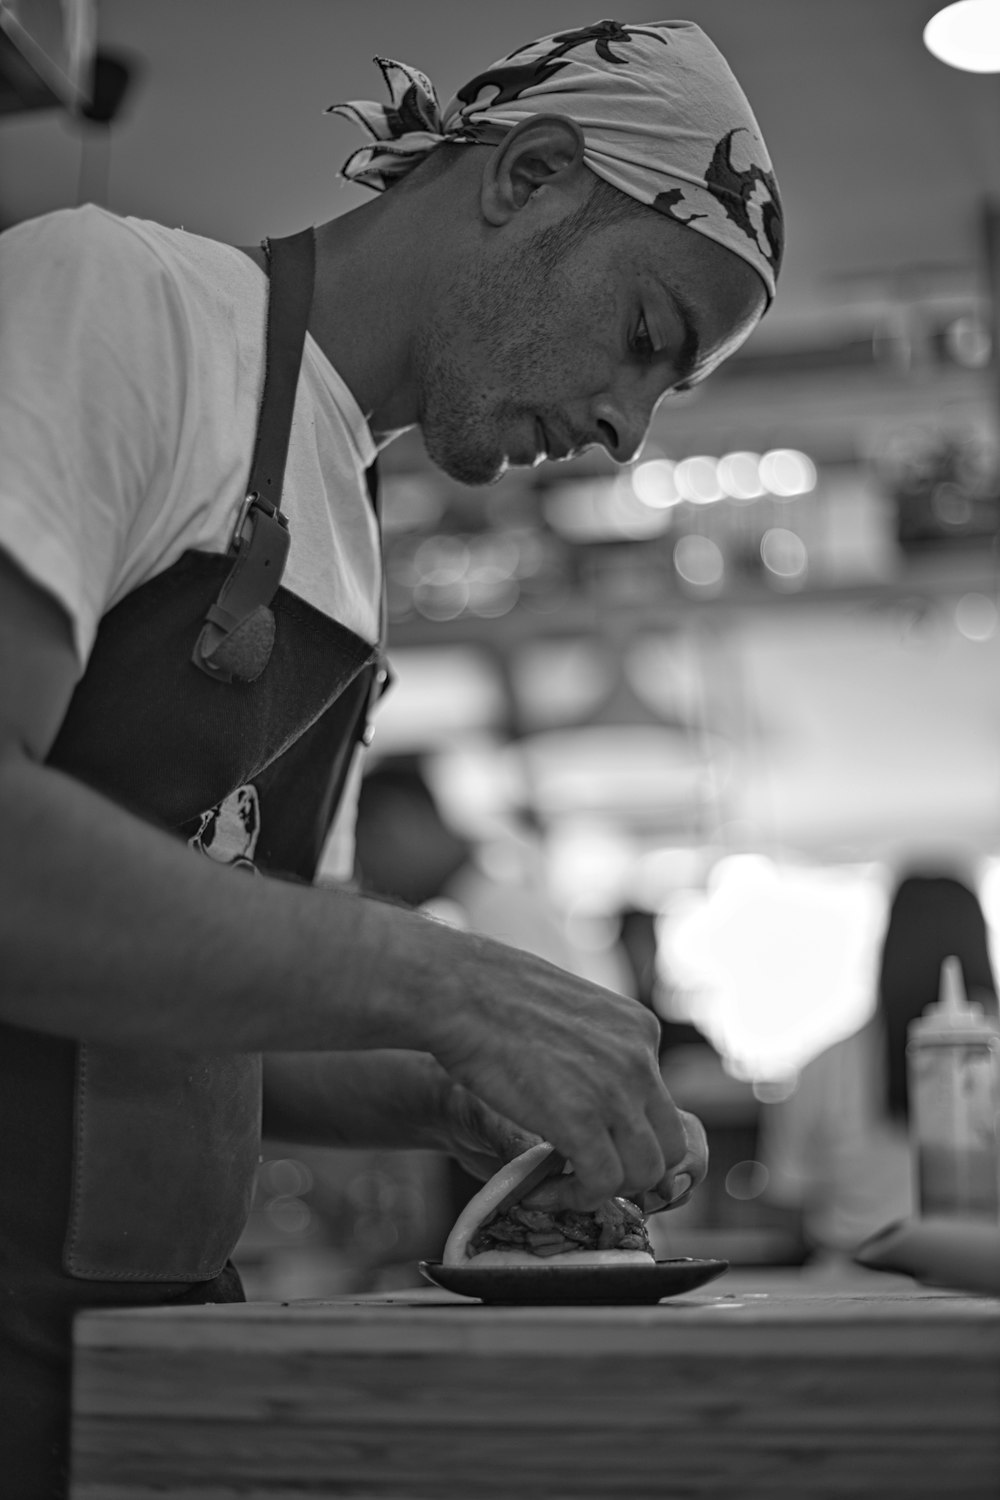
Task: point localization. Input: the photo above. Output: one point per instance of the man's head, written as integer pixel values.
(570, 177)
(572, 312)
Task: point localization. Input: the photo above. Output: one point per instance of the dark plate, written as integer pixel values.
(575, 1285)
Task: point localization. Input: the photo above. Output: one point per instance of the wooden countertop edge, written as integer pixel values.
(922, 1322)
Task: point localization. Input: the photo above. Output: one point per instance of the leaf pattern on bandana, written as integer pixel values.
(748, 196)
(512, 80)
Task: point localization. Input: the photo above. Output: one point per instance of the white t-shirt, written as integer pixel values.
(131, 366)
(832, 1151)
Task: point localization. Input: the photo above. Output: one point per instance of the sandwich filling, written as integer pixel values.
(615, 1225)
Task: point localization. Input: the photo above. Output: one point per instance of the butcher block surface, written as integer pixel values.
(774, 1385)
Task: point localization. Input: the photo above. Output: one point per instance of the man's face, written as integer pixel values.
(559, 342)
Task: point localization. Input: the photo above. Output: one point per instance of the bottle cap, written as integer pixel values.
(954, 1012)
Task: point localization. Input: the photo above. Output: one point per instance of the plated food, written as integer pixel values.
(543, 1285)
(504, 1249)
(497, 1228)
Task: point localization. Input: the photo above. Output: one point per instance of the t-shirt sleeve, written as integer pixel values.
(91, 350)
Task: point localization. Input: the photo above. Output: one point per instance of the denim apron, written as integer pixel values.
(128, 1172)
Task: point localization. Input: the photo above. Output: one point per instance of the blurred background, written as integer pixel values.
(684, 726)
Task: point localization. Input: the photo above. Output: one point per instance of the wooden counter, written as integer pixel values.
(754, 1386)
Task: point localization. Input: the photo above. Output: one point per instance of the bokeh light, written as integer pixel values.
(699, 562)
(653, 483)
(746, 1180)
(785, 472)
(697, 480)
(739, 476)
(784, 555)
(966, 36)
(774, 961)
(976, 617)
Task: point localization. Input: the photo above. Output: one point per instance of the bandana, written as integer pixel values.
(662, 115)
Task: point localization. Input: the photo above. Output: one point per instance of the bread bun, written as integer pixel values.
(456, 1248)
(498, 1258)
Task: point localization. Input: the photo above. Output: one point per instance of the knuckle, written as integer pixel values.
(596, 1174)
(646, 1029)
(643, 1165)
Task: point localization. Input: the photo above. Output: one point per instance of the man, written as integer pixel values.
(591, 224)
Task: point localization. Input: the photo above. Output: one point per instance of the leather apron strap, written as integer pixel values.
(236, 640)
(166, 1142)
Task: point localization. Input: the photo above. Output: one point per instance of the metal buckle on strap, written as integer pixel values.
(238, 633)
(253, 501)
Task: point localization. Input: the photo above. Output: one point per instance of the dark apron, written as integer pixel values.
(165, 1144)
(128, 1172)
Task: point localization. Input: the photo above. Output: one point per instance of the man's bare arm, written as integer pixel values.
(391, 1101)
(113, 930)
(386, 1101)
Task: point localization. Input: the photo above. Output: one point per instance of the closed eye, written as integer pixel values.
(642, 340)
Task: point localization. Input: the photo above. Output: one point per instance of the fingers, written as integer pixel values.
(479, 1137)
(642, 1157)
(638, 1145)
(667, 1123)
(680, 1181)
(696, 1157)
(603, 1165)
(597, 1174)
(658, 1172)
(566, 1059)
(627, 1158)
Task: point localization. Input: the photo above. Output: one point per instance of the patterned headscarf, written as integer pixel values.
(663, 120)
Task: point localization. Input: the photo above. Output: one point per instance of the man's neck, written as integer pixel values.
(362, 315)
(365, 310)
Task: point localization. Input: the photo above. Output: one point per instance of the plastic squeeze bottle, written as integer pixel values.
(953, 1064)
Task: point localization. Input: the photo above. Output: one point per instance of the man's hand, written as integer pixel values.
(480, 1139)
(678, 1185)
(564, 1058)
(116, 932)
(674, 1191)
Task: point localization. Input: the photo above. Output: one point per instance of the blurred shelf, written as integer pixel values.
(942, 574)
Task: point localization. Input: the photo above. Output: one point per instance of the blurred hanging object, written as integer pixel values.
(966, 36)
(49, 59)
(47, 54)
(643, 757)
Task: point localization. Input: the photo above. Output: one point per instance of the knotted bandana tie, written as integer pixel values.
(662, 115)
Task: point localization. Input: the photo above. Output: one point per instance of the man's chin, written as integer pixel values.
(465, 464)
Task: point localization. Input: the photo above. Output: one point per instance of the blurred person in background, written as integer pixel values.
(591, 224)
(837, 1149)
(639, 946)
(408, 849)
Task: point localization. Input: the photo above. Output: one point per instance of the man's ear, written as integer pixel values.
(545, 151)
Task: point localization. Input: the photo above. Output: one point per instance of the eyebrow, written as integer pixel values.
(687, 361)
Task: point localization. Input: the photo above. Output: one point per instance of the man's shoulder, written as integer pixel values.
(73, 229)
(90, 234)
(79, 253)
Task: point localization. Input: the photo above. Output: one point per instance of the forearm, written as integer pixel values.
(387, 1100)
(112, 930)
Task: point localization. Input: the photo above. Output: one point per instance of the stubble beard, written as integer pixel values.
(502, 315)
(456, 423)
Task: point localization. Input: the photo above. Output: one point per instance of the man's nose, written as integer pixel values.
(622, 424)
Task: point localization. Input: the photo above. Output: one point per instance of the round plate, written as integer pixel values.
(574, 1285)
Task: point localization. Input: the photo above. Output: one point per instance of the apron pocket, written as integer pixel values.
(165, 1149)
